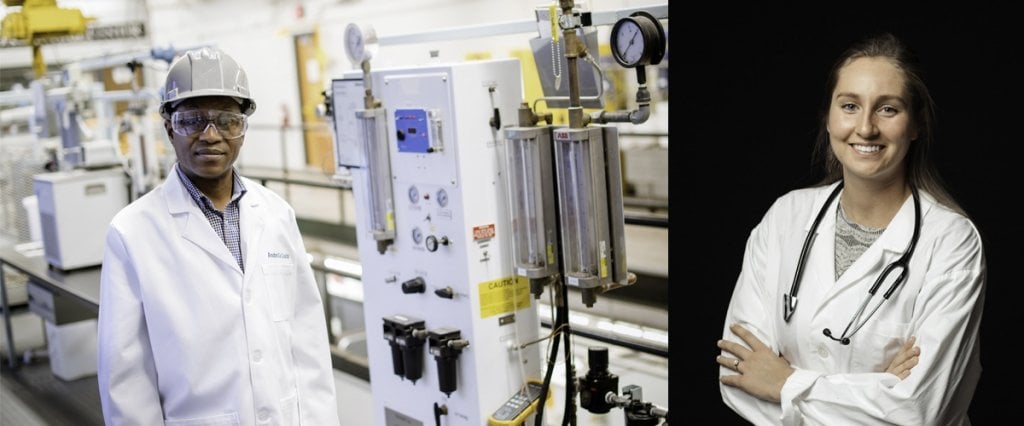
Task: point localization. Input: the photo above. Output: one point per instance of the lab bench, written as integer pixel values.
(59, 297)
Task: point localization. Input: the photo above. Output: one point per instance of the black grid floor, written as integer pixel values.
(32, 395)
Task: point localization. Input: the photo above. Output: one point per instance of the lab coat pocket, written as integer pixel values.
(280, 281)
(878, 342)
(229, 419)
(290, 410)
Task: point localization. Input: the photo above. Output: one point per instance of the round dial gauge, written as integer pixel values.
(360, 43)
(417, 235)
(414, 194)
(442, 197)
(637, 40)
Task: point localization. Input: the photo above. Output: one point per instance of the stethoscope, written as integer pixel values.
(789, 300)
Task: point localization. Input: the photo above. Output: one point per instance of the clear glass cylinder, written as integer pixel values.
(378, 167)
(581, 202)
(531, 198)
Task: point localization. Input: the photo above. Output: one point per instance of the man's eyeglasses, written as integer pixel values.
(230, 125)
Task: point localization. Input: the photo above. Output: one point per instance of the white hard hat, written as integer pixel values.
(206, 71)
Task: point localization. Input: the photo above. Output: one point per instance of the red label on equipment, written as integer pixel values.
(483, 232)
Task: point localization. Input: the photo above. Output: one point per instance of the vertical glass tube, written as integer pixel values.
(579, 185)
(527, 160)
(578, 194)
(378, 166)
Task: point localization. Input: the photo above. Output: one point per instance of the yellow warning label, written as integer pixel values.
(497, 296)
(603, 261)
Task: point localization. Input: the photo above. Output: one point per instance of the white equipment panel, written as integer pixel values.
(445, 317)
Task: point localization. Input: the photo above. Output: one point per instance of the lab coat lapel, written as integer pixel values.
(898, 234)
(890, 246)
(191, 222)
(819, 275)
(251, 220)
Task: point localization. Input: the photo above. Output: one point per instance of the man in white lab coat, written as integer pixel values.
(209, 311)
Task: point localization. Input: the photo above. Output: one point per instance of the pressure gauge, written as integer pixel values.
(360, 43)
(442, 197)
(414, 194)
(638, 40)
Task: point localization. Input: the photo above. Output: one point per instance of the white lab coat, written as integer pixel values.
(940, 302)
(185, 338)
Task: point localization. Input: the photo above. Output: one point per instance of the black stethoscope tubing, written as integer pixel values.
(790, 299)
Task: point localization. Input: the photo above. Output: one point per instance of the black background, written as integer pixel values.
(746, 86)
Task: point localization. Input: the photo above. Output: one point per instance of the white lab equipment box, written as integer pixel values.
(75, 208)
(72, 349)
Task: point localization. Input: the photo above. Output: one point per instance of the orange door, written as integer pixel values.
(316, 132)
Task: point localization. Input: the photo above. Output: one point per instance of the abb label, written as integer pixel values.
(484, 232)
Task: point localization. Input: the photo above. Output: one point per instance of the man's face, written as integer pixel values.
(206, 150)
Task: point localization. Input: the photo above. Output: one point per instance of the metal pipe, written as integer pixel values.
(640, 115)
(573, 49)
(609, 17)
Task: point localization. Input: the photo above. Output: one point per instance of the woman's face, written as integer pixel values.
(870, 124)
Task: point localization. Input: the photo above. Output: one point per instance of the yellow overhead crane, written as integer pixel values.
(39, 21)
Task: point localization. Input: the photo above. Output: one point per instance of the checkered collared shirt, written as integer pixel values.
(225, 223)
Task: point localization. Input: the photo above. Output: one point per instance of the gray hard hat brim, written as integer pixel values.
(171, 106)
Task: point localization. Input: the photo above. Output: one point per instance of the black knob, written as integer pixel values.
(446, 292)
(415, 285)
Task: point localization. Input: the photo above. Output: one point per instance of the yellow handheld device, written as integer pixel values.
(519, 406)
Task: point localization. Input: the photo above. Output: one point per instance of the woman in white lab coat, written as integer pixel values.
(794, 349)
(209, 311)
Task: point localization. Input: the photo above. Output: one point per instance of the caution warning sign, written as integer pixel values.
(504, 295)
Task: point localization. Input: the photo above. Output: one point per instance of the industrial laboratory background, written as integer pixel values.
(481, 186)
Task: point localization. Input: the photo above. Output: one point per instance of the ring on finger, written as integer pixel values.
(736, 364)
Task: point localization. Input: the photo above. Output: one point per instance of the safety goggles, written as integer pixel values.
(190, 123)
